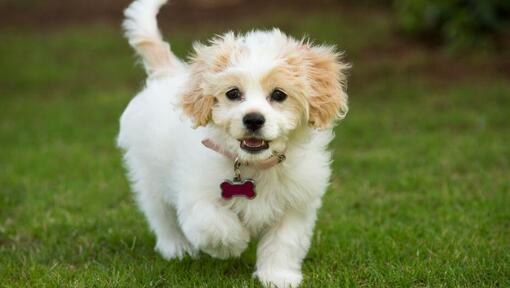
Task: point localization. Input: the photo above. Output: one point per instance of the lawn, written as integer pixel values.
(419, 195)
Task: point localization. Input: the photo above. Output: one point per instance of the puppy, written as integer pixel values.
(264, 105)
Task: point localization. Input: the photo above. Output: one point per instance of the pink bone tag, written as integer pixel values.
(244, 188)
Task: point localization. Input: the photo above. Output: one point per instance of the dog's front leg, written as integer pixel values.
(283, 247)
(213, 228)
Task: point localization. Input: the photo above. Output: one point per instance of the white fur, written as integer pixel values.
(176, 179)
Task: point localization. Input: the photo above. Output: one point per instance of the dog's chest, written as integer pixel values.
(267, 207)
(290, 185)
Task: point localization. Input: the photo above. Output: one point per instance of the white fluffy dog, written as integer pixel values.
(256, 98)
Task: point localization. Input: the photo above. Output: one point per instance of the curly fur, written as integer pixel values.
(176, 180)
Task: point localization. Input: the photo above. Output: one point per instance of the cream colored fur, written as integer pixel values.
(176, 180)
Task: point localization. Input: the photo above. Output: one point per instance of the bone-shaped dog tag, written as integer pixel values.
(244, 188)
(238, 187)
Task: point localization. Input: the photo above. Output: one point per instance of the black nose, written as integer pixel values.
(253, 121)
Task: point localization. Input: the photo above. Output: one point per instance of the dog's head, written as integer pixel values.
(259, 88)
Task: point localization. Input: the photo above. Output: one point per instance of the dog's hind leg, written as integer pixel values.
(171, 242)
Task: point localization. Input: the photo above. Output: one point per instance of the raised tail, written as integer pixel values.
(141, 30)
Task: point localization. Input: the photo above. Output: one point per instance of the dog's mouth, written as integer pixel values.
(254, 145)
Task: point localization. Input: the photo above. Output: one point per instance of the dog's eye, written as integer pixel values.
(233, 94)
(278, 95)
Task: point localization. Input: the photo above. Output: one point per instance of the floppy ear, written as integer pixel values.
(195, 102)
(328, 100)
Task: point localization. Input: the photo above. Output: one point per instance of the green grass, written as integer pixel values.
(419, 196)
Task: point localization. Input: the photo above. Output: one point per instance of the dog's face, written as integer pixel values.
(260, 88)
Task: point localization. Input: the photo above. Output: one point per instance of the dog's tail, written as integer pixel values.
(141, 30)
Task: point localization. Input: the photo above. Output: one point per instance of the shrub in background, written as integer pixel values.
(457, 23)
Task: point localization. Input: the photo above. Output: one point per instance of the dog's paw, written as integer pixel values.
(278, 278)
(175, 249)
(220, 235)
(228, 248)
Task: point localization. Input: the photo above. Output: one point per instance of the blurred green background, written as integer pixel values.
(420, 190)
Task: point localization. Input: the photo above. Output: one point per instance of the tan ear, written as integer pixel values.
(328, 100)
(213, 58)
(195, 103)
